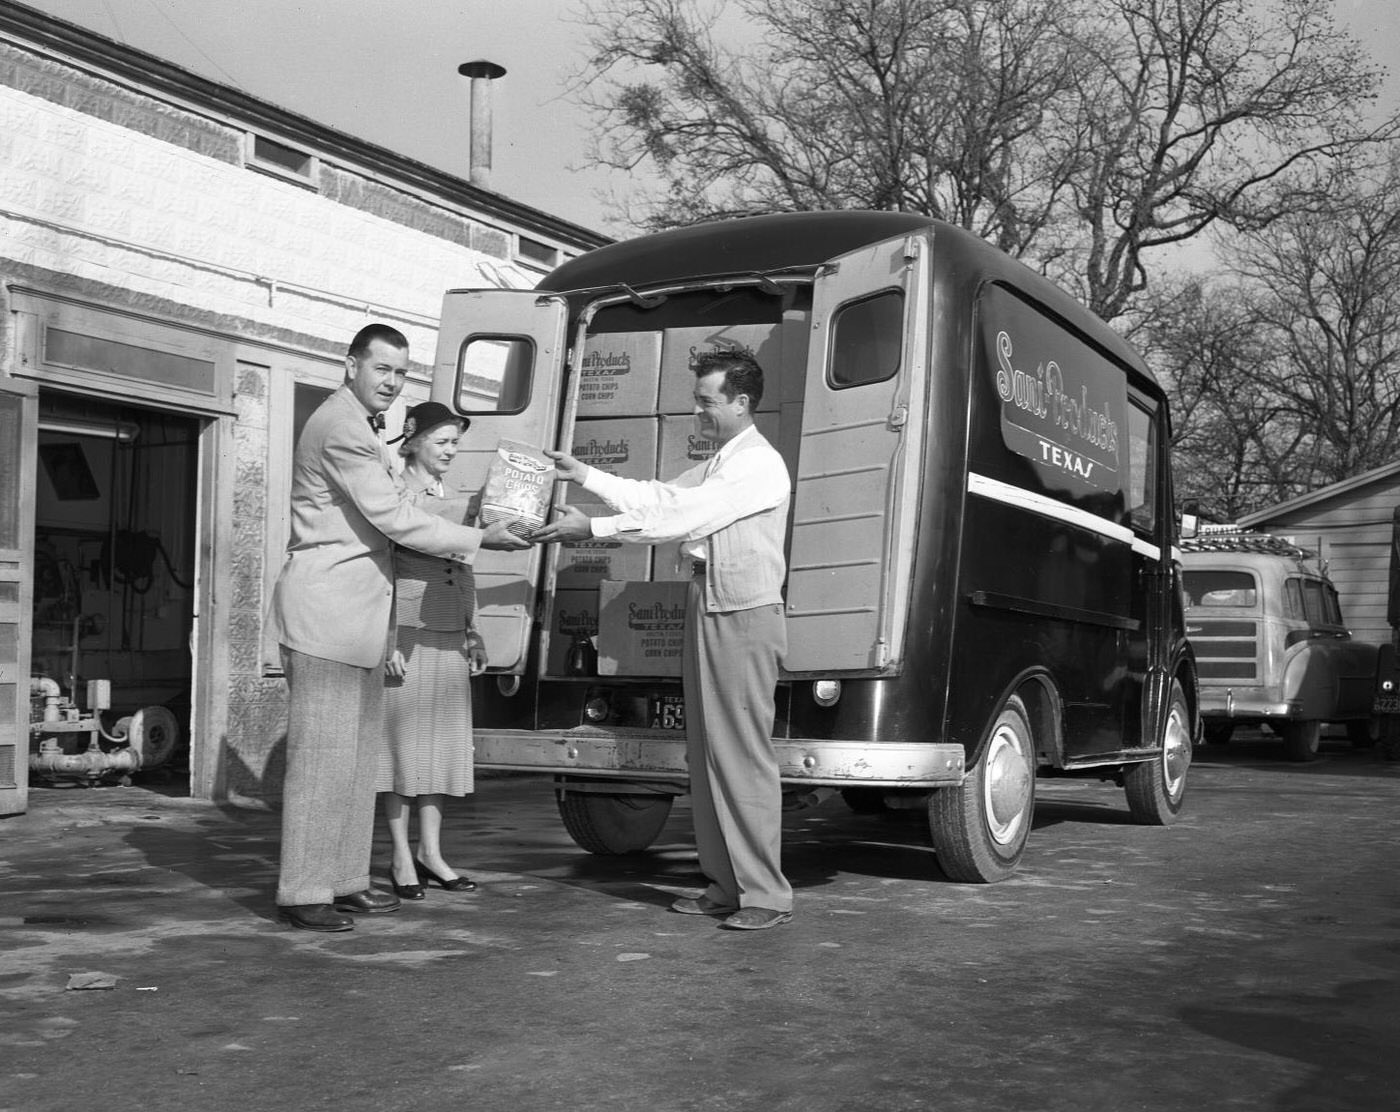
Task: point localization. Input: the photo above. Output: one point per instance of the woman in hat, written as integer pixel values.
(427, 702)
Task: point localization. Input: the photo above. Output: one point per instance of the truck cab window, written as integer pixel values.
(1142, 470)
(866, 340)
(493, 374)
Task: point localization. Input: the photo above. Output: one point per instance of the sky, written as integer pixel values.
(386, 71)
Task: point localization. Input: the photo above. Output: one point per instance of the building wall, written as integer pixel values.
(1353, 529)
(113, 198)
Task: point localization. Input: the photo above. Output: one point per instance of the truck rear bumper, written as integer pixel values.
(1245, 706)
(653, 756)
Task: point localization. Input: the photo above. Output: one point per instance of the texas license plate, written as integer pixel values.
(667, 712)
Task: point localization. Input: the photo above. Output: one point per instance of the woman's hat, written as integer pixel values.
(429, 415)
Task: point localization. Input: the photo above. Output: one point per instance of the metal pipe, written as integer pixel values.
(481, 73)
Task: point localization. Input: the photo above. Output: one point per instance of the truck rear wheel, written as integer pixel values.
(1302, 739)
(1157, 788)
(979, 828)
(612, 824)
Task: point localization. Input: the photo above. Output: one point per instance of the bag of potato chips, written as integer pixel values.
(519, 488)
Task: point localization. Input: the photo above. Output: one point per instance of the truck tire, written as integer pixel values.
(979, 829)
(1157, 788)
(1301, 739)
(611, 825)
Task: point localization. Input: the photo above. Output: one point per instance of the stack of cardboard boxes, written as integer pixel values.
(635, 419)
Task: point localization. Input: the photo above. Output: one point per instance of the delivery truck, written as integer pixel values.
(981, 579)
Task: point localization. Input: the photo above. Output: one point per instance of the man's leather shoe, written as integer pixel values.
(314, 917)
(368, 902)
(755, 919)
(701, 905)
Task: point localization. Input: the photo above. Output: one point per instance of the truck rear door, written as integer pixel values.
(500, 360)
(854, 509)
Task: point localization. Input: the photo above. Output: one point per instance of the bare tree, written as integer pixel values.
(1077, 134)
(1329, 299)
(1235, 443)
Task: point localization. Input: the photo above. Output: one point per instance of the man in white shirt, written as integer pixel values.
(730, 515)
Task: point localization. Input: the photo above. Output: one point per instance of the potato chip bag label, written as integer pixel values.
(519, 487)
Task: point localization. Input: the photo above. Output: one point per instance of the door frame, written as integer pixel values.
(17, 567)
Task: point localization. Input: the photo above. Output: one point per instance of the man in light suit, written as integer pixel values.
(330, 612)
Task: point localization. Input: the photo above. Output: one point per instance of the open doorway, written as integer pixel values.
(114, 582)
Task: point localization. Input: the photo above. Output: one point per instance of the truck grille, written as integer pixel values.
(1225, 650)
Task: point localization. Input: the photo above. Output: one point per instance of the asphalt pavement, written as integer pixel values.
(1245, 958)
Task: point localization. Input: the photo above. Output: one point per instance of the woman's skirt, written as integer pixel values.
(428, 717)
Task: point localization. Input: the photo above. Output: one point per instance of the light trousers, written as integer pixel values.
(730, 672)
(335, 728)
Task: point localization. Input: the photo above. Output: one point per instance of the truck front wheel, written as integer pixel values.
(1302, 739)
(1156, 788)
(980, 828)
(612, 824)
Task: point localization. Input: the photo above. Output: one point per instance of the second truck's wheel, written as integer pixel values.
(1301, 740)
(613, 824)
(979, 829)
(1156, 788)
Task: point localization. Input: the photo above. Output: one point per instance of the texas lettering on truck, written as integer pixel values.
(981, 582)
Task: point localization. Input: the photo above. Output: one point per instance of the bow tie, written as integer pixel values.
(376, 421)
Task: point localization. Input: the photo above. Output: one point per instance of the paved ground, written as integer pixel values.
(1246, 958)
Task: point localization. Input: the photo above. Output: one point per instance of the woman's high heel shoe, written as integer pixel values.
(406, 891)
(455, 884)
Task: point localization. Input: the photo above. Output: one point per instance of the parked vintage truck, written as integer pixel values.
(1271, 645)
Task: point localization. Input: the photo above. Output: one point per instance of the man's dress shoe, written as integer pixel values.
(368, 902)
(756, 919)
(314, 917)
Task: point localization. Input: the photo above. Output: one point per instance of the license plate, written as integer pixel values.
(667, 712)
(1386, 704)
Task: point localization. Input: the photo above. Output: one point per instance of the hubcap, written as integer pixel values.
(1006, 787)
(1176, 752)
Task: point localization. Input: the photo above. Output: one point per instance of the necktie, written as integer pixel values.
(376, 421)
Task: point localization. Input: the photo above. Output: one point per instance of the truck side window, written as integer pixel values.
(493, 374)
(867, 337)
(1293, 590)
(1315, 601)
(1142, 470)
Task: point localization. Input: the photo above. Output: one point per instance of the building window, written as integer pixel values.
(534, 252)
(272, 157)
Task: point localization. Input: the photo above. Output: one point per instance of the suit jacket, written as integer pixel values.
(335, 592)
(433, 593)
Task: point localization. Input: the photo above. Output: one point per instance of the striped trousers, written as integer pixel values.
(730, 671)
(335, 728)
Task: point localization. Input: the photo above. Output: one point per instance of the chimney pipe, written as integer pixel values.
(482, 73)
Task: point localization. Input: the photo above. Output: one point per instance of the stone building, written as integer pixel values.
(181, 267)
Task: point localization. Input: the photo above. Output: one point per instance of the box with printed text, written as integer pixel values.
(575, 614)
(624, 446)
(618, 374)
(641, 628)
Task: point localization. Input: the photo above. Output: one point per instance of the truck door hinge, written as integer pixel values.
(898, 418)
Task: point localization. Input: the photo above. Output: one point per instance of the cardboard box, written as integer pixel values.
(619, 373)
(641, 628)
(763, 341)
(680, 448)
(584, 564)
(574, 612)
(623, 446)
